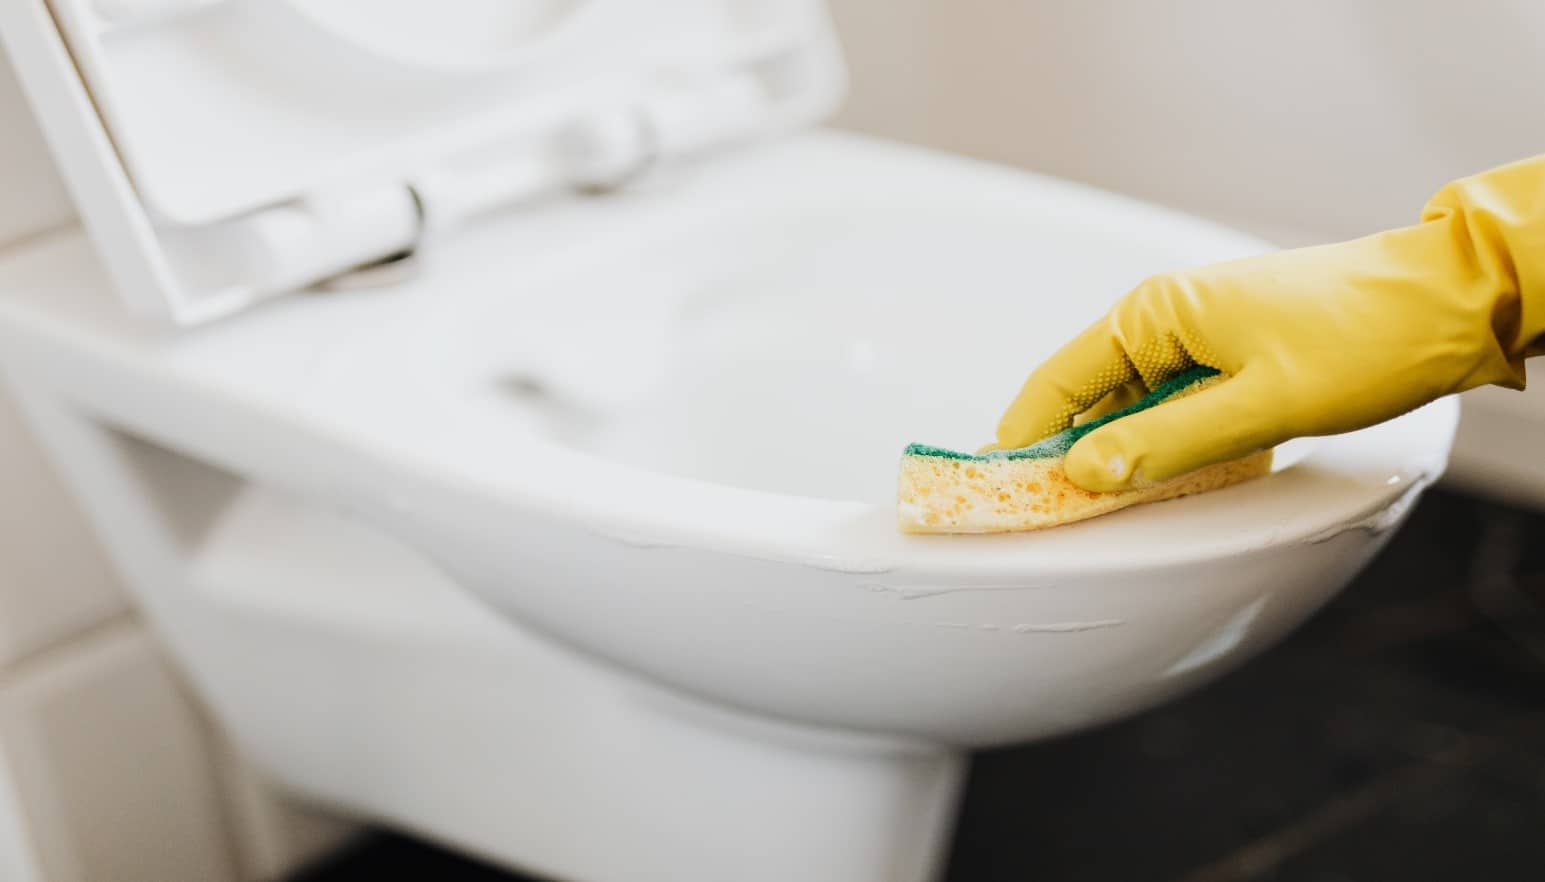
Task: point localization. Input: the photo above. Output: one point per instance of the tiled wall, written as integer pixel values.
(109, 770)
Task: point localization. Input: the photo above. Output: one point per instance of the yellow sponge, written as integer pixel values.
(944, 491)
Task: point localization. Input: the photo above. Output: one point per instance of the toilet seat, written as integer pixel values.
(225, 152)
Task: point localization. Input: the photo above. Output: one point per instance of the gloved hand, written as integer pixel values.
(1313, 341)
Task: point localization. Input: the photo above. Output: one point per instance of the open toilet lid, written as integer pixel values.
(179, 123)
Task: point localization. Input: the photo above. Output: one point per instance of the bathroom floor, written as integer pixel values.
(1400, 735)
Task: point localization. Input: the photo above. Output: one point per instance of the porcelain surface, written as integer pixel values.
(662, 428)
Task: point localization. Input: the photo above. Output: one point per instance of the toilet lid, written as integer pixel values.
(193, 116)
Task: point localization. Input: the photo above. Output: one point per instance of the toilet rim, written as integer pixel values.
(245, 408)
(638, 506)
(1362, 481)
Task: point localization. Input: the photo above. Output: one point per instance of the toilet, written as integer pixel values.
(495, 408)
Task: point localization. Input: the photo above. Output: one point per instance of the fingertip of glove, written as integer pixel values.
(1098, 465)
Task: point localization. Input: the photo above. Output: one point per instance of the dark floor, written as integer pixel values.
(1399, 735)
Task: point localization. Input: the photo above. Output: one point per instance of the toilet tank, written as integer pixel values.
(1301, 122)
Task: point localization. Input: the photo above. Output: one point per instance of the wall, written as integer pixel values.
(1302, 122)
(1322, 118)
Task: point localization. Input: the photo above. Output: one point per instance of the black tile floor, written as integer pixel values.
(1399, 735)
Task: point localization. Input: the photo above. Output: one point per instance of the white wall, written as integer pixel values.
(1320, 118)
(1302, 122)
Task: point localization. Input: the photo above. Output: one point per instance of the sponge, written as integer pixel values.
(945, 491)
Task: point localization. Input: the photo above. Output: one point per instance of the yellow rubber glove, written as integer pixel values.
(1314, 341)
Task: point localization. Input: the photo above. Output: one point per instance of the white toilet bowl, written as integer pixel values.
(577, 550)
